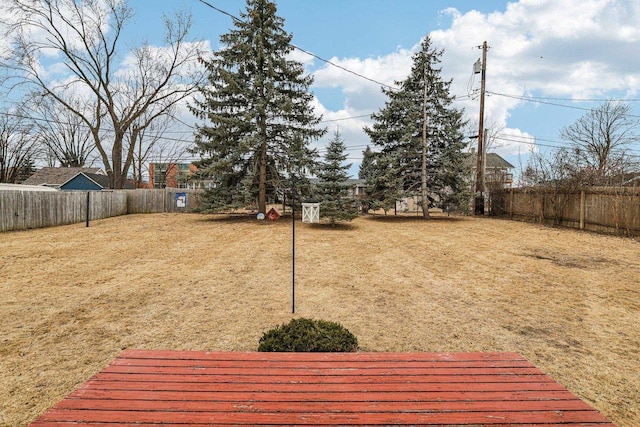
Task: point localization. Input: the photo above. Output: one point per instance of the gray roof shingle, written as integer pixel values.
(55, 177)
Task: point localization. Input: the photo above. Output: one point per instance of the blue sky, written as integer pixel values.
(560, 49)
(571, 53)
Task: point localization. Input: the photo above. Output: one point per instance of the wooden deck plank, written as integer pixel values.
(323, 396)
(323, 364)
(331, 388)
(83, 424)
(216, 388)
(319, 379)
(320, 406)
(287, 418)
(357, 357)
(303, 371)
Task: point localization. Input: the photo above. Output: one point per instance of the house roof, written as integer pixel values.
(22, 187)
(55, 177)
(350, 181)
(493, 160)
(100, 180)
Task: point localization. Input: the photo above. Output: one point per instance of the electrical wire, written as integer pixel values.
(469, 95)
(533, 141)
(531, 97)
(333, 64)
(541, 101)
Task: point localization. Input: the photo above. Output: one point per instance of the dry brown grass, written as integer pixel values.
(73, 297)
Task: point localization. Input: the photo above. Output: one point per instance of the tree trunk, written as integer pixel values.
(116, 180)
(425, 197)
(262, 187)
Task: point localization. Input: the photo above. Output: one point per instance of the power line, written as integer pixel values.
(333, 64)
(531, 97)
(540, 101)
(534, 142)
(344, 69)
(220, 10)
(346, 118)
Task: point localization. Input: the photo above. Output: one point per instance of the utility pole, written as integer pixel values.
(479, 199)
(425, 198)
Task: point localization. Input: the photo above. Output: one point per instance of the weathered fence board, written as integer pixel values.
(157, 201)
(609, 210)
(22, 210)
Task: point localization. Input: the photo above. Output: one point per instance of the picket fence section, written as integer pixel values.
(22, 210)
(607, 210)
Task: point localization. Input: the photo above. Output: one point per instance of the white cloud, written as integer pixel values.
(302, 57)
(350, 125)
(384, 69)
(563, 48)
(510, 141)
(361, 96)
(560, 47)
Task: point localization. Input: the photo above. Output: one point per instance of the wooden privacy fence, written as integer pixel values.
(609, 210)
(158, 201)
(22, 210)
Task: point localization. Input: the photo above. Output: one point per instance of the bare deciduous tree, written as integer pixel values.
(152, 144)
(555, 176)
(84, 35)
(600, 140)
(17, 148)
(67, 138)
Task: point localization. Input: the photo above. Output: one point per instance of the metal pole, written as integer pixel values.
(293, 253)
(88, 208)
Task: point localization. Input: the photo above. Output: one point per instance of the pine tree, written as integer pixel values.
(365, 172)
(27, 169)
(367, 165)
(384, 184)
(434, 170)
(336, 202)
(259, 112)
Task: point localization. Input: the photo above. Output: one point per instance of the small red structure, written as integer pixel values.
(273, 214)
(144, 387)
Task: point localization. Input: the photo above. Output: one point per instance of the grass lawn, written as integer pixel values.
(72, 298)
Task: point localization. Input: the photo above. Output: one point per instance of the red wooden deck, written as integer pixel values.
(206, 389)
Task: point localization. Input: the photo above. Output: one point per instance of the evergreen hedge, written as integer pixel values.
(309, 335)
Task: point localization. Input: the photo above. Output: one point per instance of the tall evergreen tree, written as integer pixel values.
(365, 172)
(336, 202)
(428, 159)
(384, 183)
(367, 165)
(259, 112)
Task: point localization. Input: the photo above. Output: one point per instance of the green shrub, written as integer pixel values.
(308, 335)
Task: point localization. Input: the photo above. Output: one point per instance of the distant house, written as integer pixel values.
(70, 179)
(498, 173)
(171, 175)
(357, 187)
(22, 187)
(56, 177)
(87, 182)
